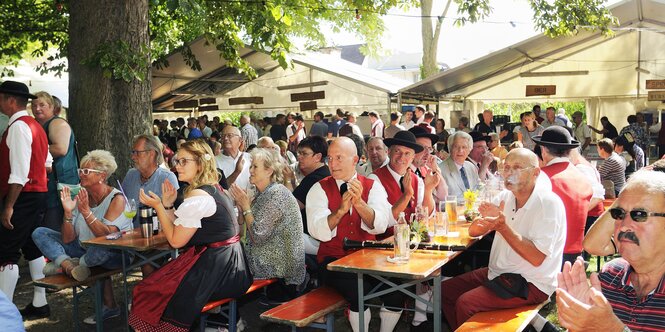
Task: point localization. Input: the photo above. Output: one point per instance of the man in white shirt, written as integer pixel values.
(233, 162)
(377, 156)
(23, 190)
(349, 205)
(377, 124)
(581, 131)
(419, 113)
(530, 225)
(248, 132)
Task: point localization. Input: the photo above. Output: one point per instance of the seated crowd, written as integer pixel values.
(292, 196)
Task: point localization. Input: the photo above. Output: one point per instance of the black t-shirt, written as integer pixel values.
(484, 128)
(611, 131)
(300, 192)
(278, 132)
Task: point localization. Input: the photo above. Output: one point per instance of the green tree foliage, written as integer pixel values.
(515, 109)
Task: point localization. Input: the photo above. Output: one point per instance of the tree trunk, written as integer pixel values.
(106, 113)
(430, 36)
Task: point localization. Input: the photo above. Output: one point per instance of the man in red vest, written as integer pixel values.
(348, 205)
(568, 183)
(23, 154)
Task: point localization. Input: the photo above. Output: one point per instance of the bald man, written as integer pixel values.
(349, 205)
(530, 225)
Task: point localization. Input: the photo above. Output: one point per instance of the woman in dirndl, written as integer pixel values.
(212, 266)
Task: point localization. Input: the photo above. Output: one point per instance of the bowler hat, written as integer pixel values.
(404, 138)
(16, 89)
(478, 136)
(556, 137)
(419, 131)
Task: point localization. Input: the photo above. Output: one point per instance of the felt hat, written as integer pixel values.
(16, 89)
(404, 138)
(419, 131)
(556, 137)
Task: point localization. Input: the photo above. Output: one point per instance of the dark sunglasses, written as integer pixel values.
(638, 215)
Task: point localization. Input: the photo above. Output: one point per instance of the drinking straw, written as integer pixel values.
(123, 193)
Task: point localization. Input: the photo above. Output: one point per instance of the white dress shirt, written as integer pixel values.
(228, 164)
(317, 211)
(419, 195)
(19, 142)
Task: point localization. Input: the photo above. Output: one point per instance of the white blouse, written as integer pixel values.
(193, 209)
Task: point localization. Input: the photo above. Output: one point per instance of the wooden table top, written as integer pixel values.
(132, 240)
(422, 263)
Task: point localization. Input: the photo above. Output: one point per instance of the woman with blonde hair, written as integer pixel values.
(529, 129)
(273, 221)
(212, 266)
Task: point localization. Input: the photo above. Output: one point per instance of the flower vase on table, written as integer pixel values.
(470, 208)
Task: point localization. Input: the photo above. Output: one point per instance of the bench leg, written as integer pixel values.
(203, 321)
(99, 295)
(330, 322)
(233, 312)
(76, 308)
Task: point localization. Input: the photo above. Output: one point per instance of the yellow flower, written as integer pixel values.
(470, 197)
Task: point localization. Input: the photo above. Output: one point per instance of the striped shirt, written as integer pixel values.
(614, 168)
(639, 315)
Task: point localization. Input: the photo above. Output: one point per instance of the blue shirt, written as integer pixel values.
(319, 129)
(333, 127)
(10, 318)
(195, 133)
(132, 184)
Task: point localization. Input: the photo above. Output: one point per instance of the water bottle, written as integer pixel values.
(402, 239)
(155, 223)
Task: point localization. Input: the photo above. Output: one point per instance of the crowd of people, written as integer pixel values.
(291, 195)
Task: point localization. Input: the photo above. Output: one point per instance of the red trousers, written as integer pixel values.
(465, 295)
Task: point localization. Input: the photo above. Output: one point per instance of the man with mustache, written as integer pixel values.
(629, 292)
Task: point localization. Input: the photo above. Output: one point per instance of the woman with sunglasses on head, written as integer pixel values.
(96, 210)
(212, 266)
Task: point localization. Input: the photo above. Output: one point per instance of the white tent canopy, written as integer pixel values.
(609, 74)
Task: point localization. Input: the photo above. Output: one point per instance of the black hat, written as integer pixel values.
(16, 89)
(478, 136)
(404, 138)
(556, 137)
(419, 131)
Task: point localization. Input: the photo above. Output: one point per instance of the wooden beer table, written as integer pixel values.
(145, 251)
(423, 265)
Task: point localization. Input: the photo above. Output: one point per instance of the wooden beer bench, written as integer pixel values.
(306, 309)
(94, 284)
(232, 305)
(503, 320)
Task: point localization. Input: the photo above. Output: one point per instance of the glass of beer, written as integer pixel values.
(451, 209)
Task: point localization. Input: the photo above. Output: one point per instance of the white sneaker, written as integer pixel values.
(240, 326)
(107, 313)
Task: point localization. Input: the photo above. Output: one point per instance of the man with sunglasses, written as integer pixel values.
(568, 183)
(628, 293)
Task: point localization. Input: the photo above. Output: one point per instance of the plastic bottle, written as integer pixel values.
(402, 239)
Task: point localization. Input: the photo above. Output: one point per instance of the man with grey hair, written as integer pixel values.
(627, 293)
(248, 132)
(146, 154)
(459, 173)
(233, 162)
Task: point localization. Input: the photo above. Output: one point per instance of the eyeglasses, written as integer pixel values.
(87, 171)
(638, 215)
(182, 162)
(136, 152)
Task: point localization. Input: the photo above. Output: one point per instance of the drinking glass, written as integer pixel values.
(451, 209)
(440, 224)
(130, 209)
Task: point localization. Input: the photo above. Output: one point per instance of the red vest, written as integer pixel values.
(575, 192)
(37, 174)
(349, 226)
(393, 189)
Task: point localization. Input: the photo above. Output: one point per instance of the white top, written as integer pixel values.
(557, 122)
(408, 125)
(356, 129)
(290, 130)
(594, 177)
(582, 132)
(193, 209)
(419, 195)
(542, 220)
(378, 127)
(228, 164)
(318, 212)
(366, 168)
(19, 142)
(207, 131)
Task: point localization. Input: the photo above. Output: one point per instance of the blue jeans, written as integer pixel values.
(51, 245)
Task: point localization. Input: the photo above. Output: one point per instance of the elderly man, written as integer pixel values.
(233, 162)
(481, 156)
(525, 254)
(349, 205)
(377, 156)
(247, 131)
(23, 188)
(459, 173)
(377, 124)
(551, 119)
(405, 189)
(146, 155)
(627, 295)
(581, 131)
(487, 126)
(568, 183)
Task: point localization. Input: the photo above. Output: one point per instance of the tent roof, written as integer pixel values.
(537, 52)
(179, 82)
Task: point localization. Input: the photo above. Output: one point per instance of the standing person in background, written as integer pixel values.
(561, 115)
(377, 125)
(419, 114)
(528, 130)
(408, 120)
(394, 127)
(551, 119)
(247, 131)
(62, 146)
(614, 167)
(23, 191)
(536, 112)
(440, 130)
(336, 122)
(608, 131)
(203, 126)
(319, 128)
(635, 157)
(429, 117)
(278, 129)
(487, 126)
(350, 127)
(640, 135)
(581, 131)
(296, 132)
(193, 131)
